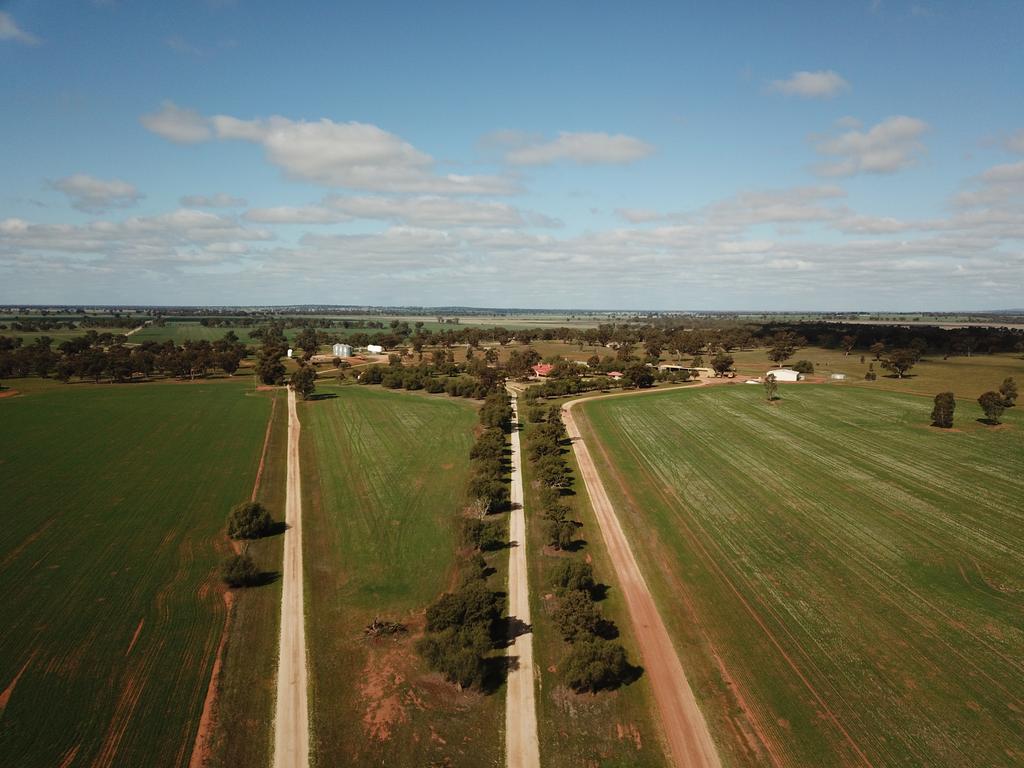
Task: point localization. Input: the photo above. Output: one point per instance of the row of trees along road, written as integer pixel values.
(463, 627)
(593, 659)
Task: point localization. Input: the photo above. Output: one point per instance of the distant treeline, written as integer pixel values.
(38, 324)
(94, 358)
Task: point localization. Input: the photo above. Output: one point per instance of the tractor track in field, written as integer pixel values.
(291, 722)
(684, 726)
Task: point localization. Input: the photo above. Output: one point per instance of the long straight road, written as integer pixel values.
(291, 723)
(689, 740)
(521, 744)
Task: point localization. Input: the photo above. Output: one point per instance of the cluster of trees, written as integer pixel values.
(462, 625)
(487, 487)
(928, 339)
(247, 521)
(474, 380)
(37, 324)
(94, 357)
(552, 473)
(269, 367)
(595, 661)
(993, 403)
(303, 381)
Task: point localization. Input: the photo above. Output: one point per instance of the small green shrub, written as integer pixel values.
(249, 521)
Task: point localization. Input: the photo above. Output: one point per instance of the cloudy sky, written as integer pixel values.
(725, 155)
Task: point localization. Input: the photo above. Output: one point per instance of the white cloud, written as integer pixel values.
(1015, 142)
(219, 200)
(421, 211)
(639, 215)
(753, 207)
(430, 211)
(92, 195)
(888, 147)
(1000, 186)
(286, 214)
(9, 30)
(354, 155)
(823, 84)
(174, 123)
(579, 148)
(1007, 173)
(179, 44)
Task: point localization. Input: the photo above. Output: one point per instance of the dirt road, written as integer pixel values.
(291, 723)
(521, 745)
(684, 726)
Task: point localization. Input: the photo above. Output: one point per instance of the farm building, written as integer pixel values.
(342, 350)
(542, 370)
(838, 376)
(374, 349)
(615, 375)
(784, 374)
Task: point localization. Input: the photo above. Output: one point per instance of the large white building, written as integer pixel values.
(374, 349)
(342, 350)
(784, 374)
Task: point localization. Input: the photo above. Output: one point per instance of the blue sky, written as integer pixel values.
(853, 155)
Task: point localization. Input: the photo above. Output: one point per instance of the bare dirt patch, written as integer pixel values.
(9, 690)
(201, 747)
(383, 692)
(138, 631)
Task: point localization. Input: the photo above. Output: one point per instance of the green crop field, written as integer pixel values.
(845, 584)
(115, 499)
(384, 477)
(243, 732)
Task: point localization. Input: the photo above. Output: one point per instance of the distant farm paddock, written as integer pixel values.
(844, 583)
(114, 505)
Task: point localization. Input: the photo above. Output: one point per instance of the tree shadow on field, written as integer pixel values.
(599, 592)
(575, 545)
(989, 422)
(277, 528)
(606, 630)
(496, 669)
(509, 628)
(321, 396)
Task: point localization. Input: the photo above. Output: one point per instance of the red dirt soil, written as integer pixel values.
(201, 747)
(9, 690)
(263, 453)
(135, 637)
(9, 393)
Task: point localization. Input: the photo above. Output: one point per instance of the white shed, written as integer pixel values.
(784, 374)
(342, 350)
(838, 376)
(374, 349)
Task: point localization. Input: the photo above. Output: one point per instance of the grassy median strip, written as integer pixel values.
(614, 726)
(385, 475)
